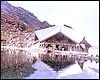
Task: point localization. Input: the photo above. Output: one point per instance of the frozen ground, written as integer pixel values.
(72, 72)
(90, 70)
(94, 51)
(43, 71)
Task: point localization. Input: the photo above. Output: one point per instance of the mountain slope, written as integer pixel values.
(23, 15)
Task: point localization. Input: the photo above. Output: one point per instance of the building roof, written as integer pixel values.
(46, 33)
(85, 42)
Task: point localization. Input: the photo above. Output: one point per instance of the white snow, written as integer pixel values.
(89, 72)
(41, 75)
(72, 72)
(43, 71)
(73, 69)
(48, 32)
(34, 49)
(90, 69)
(41, 66)
(83, 75)
(93, 51)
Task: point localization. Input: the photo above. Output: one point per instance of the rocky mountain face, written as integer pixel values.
(18, 25)
(23, 15)
(12, 24)
(15, 32)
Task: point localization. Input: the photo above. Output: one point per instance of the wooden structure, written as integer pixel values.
(87, 45)
(60, 38)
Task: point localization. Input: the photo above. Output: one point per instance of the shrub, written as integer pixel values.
(15, 65)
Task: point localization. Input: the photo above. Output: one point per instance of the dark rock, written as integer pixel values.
(23, 15)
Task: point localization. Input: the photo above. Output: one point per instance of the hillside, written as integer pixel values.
(23, 15)
(14, 32)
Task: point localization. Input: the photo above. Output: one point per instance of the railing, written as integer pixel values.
(70, 47)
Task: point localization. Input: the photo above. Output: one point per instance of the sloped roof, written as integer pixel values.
(46, 33)
(85, 42)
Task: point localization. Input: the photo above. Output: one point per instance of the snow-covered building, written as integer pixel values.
(61, 38)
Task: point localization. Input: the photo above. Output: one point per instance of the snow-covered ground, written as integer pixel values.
(72, 72)
(69, 71)
(43, 71)
(90, 69)
(94, 51)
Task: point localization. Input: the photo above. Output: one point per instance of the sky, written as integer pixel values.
(81, 15)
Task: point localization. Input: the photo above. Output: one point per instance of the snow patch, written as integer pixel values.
(73, 69)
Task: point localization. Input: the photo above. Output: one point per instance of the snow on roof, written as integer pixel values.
(83, 45)
(74, 35)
